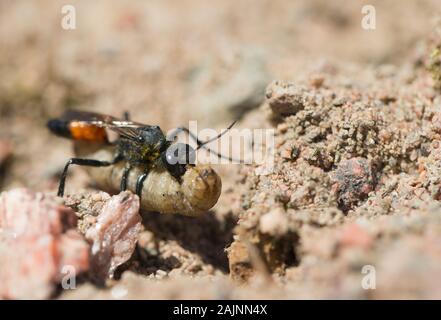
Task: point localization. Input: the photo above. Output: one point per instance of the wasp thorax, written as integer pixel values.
(180, 153)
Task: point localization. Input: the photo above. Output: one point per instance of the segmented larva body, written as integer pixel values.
(198, 191)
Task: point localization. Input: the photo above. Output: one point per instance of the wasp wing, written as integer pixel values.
(124, 128)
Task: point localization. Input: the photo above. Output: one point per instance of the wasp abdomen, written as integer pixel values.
(59, 127)
(77, 130)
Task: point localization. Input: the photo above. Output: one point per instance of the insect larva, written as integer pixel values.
(197, 192)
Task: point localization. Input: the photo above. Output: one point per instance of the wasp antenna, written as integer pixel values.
(201, 144)
(219, 155)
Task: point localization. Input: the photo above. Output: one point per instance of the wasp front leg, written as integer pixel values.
(140, 184)
(83, 162)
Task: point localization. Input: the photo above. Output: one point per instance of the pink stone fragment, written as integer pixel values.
(115, 234)
(37, 239)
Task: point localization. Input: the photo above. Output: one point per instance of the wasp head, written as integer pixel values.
(151, 136)
(177, 157)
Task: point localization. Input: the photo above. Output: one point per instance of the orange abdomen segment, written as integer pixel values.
(87, 132)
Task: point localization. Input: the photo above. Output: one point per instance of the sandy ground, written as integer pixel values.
(356, 114)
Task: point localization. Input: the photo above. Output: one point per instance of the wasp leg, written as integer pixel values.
(125, 175)
(82, 162)
(140, 184)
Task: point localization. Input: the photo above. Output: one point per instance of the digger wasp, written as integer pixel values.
(141, 148)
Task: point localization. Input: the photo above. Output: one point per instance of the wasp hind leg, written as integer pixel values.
(140, 184)
(82, 162)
